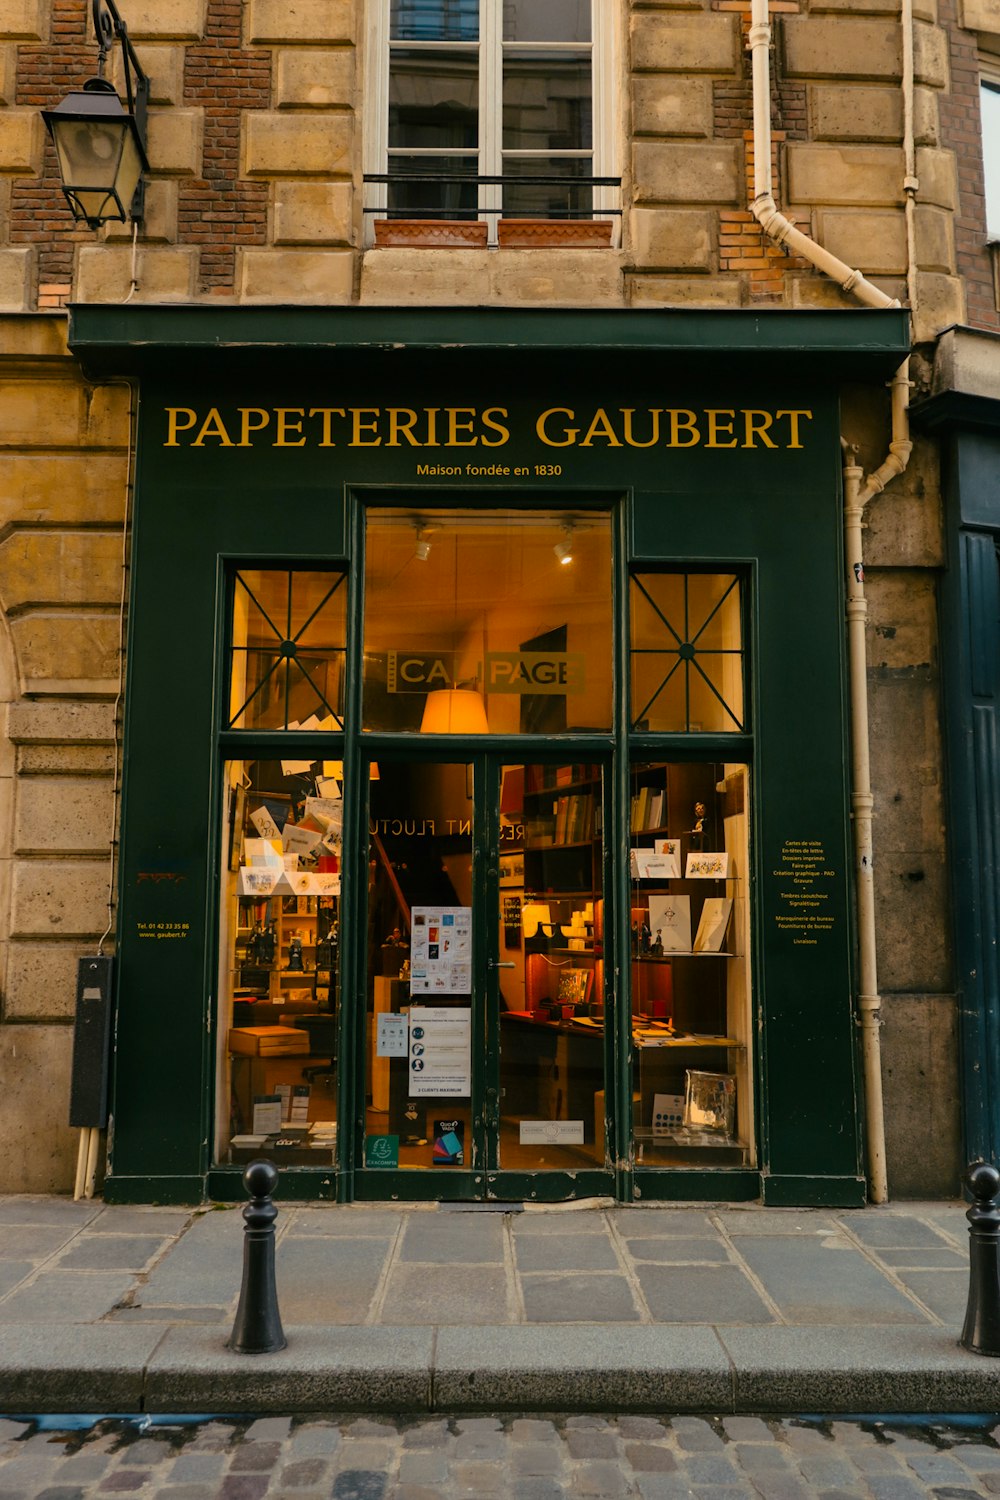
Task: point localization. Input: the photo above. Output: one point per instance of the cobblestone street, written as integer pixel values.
(523, 1458)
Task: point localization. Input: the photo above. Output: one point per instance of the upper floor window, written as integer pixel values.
(490, 110)
(989, 94)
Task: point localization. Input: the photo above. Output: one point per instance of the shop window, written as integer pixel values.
(692, 1096)
(989, 95)
(491, 110)
(686, 653)
(487, 621)
(289, 629)
(279, 962)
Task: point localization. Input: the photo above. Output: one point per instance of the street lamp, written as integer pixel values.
(100, 145)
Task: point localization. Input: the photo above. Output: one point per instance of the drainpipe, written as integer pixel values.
(858, 491)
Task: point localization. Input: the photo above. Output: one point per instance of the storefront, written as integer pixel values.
(485, 825)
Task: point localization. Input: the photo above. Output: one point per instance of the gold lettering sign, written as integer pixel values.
(490, 427)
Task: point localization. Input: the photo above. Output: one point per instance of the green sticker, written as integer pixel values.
(382, 1150)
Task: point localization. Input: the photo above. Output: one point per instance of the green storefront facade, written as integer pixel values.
(693, 452)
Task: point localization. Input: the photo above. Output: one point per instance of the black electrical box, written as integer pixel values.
(88, 1096)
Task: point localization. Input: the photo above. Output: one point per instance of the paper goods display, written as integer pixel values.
(392, 1038)
(709, 866)
(440, 1056)
(670, 921)
(712, 927)
(441, 950)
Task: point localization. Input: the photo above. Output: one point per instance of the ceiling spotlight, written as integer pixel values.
(564, 549)
(422, 549)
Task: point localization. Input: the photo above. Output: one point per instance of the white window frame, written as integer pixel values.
(375, 156)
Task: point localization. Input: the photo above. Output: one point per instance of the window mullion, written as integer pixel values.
(376, 147)
(491, 109)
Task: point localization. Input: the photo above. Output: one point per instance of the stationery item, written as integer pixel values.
(266, 1114)
(712, 926)
(710, 1101)
(267, 1041)
(449, 1143)
(708, 866)
(670, 924)
(265, 825)
(670, 851)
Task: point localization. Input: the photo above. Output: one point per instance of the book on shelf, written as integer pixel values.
(670, 921)
(712, 925)
(648, 809)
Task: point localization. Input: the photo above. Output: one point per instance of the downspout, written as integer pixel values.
(857, 493)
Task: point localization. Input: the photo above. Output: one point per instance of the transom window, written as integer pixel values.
(989, 95)
(491, 108)
(686, 653)
(289, 637)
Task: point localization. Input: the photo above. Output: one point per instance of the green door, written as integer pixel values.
(487, 1011)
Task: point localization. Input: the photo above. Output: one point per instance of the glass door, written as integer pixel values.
(485, 993)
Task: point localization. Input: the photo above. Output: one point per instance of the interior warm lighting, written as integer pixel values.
(423, 548)
(535, 915)
(454, 711)
(564, 549)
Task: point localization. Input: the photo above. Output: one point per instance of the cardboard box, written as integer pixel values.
(267, 1041)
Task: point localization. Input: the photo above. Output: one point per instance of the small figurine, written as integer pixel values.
(635, 939)
(295, 964)
(657, 948)
(645, 936)
(267, 946)
(697, 832)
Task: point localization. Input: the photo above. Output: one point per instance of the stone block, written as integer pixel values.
(684, 291)
(431, 277)
(40, 336)
(672, 239)
(52, 412)
(287, 145)
(59, 898)
(76, 760)
(855, 7)
(849, 175)
(41, 980)
(926, 129)
(559, 277)
(22, 137)
(36, 1061)
(855, 112)
(160, 219)
(671, 105)
(813, 289)
(679, 42)
(174, 20)
(63, 815)
(938, 177)
(8, 73)
(930, 55)
(59, 567)
(15, 281)
(975, 15)
(904, 525)
(934, 232)
(66, 653)
(842, 47)
(23, 20)
(921, 1094)
(874, 243)
(902, 622)
(312, 78)
(940, 303)
(175, 141)
(295, 275)
(163, 65)
(61, 723)
(313, 213)
(687, 172)
(310, 21)
(166, 274)
(65, 487)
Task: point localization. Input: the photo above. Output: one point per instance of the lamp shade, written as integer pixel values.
(454, 711)
(99, 152)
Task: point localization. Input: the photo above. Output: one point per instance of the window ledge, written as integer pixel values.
(521, 234)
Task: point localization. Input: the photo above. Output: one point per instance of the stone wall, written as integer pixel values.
(63, 474)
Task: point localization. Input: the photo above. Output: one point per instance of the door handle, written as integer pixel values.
(495, 963)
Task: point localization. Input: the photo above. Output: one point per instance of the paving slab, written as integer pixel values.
(839, 1369)
(74, 1369)
(30, 1209)
(633, 1223)
(669, 1249)
(876, 1228)
(566, 1252)
(701, 1294)
(322, 1369)
(348, 1222)
(577, 1298)
(32, 1242)
(55, 1297)
(445, 1294)
(449, 1239)
(825, 1281)
(946, 1293)
(105, 1252)
(328, 1280)
(581, 1368)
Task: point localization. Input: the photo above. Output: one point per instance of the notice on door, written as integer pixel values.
(440, 1057)
(441, 950)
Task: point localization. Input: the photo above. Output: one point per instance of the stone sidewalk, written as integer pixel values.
(412, 1308)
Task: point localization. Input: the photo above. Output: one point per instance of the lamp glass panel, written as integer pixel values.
(90, 151)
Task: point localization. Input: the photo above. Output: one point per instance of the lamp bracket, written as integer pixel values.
(108, 28)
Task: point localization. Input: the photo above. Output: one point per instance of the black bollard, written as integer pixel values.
(981, 1330)
(258, 1329)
